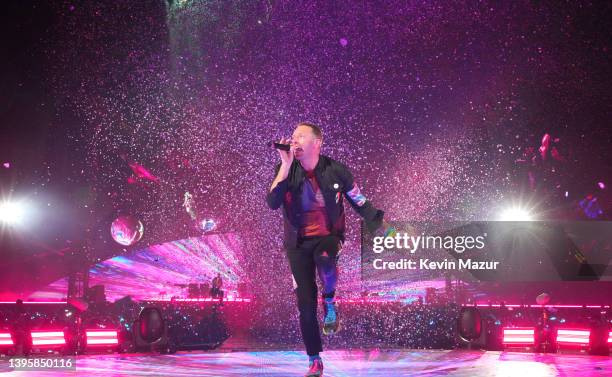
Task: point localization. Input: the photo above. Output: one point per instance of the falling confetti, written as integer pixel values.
(440, 112)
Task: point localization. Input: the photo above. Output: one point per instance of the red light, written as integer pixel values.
(480, 305)
(610, 337)
(5, 339)
(567, 336)
(519, 335)
(207, 299)
(48, 338)
(35, 302)
(101, 337)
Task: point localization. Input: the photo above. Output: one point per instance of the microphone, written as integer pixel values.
(282, 147)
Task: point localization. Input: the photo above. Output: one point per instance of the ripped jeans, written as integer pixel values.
(313, 256)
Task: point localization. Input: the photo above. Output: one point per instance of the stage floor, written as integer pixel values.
(387, 363)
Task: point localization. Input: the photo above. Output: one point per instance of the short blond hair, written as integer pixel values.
(316, 130)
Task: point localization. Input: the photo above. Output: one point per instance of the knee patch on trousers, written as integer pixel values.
(295, 286)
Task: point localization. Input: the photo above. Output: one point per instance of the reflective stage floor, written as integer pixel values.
(338, 363)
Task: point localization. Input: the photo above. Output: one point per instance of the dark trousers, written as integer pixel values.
(313, 256)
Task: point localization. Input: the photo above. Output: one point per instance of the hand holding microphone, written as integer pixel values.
(285, 152)
(280, 146)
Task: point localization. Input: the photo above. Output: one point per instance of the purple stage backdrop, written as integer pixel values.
(161, 272)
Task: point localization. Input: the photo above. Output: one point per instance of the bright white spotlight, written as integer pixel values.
(11, 212)
(516, 214)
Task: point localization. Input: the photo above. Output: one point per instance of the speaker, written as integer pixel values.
(469, 329)
(599, 340)
(201, 327)
(151, 332)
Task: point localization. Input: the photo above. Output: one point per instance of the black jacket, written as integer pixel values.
(335, 181)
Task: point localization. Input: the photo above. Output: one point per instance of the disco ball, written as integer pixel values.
(127, 230)
(207, 225)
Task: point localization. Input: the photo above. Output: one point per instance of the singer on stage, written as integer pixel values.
(311, 189)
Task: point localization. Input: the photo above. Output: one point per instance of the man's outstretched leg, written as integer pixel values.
(303, 269)
(326, 258)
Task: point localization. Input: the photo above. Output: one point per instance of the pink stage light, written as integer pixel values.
(573, 336)
(35, 302)
(519, 335)
(610, 337)
(48, 338)
(5, 339)
(101, 337)
(205, 299)
(480, 305)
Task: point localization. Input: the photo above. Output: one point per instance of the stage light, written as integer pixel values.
(48, 338)
(151, 331)
(152, 325)
(6, 339)
(469, 324)
(518, 336)
(610, 337)
(516, 213)
(573, 336)
(101, 337)
(12, 213)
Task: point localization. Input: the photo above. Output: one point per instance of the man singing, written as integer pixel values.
(311, 187)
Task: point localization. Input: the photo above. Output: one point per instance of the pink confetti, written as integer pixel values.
(142, 172)
(545, 144)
